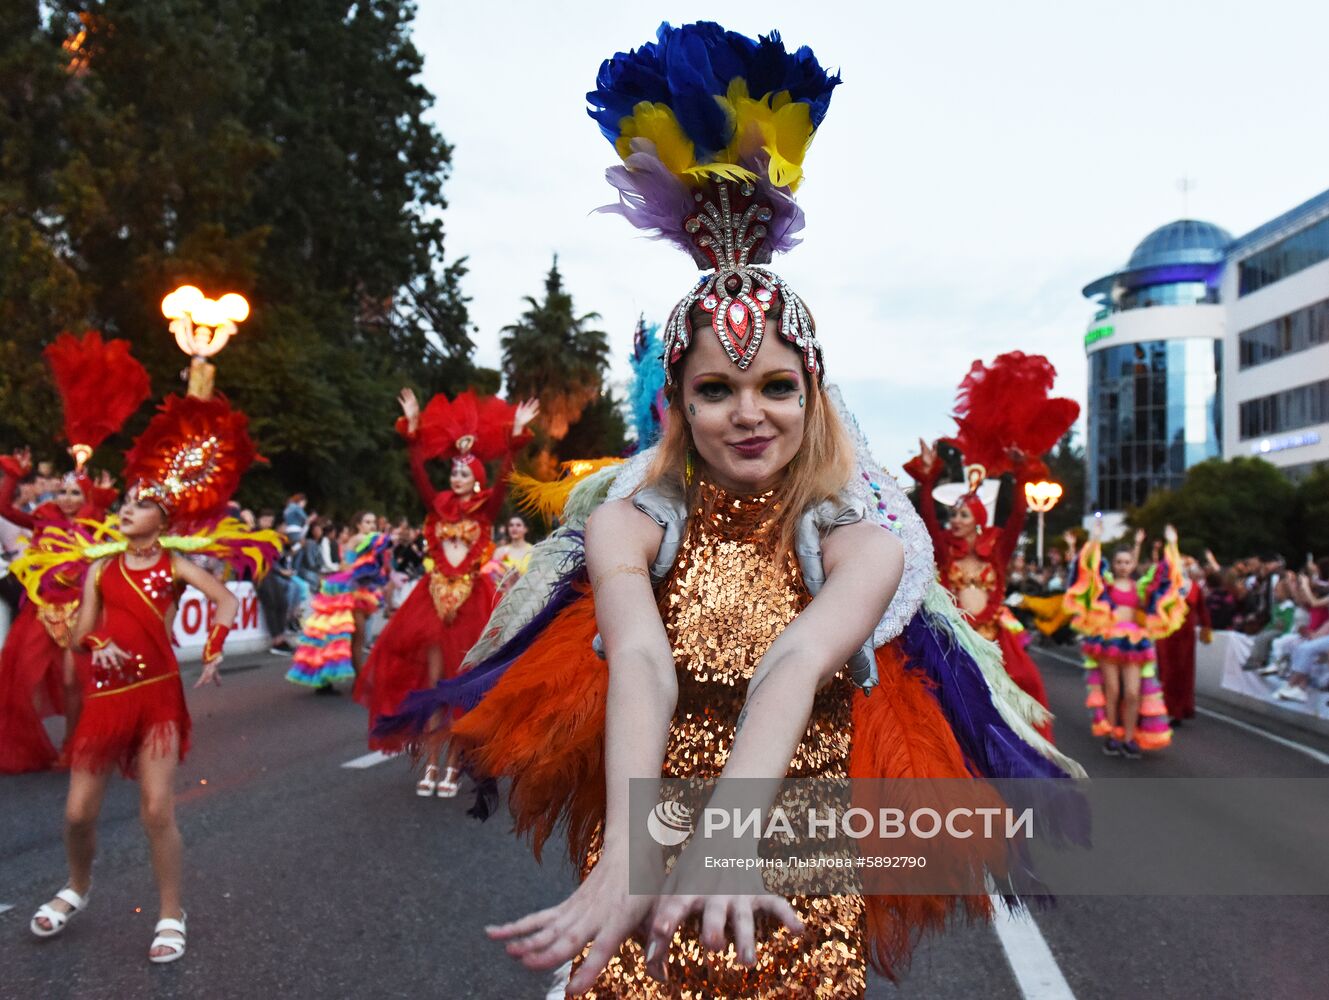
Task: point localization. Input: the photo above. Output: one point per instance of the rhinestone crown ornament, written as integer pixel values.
(729, 237)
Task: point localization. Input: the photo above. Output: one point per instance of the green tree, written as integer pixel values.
(1066, 466)
(275, 149)
(551, 352)
(1312, 515)
(1237, 508)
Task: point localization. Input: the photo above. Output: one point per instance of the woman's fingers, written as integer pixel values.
(713, 919)
(745, 938)
(526, 925)
(602, 950)
(782, 910)
(669, 913)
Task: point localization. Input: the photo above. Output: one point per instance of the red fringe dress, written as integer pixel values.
(447, 610)
(994, 547)
(1176, 655)
(32, 660)
(139, 705)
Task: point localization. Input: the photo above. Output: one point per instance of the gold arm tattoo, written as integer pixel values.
(622, 569)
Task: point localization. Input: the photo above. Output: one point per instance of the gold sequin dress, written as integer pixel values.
(727, 598)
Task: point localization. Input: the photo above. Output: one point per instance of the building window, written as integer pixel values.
(1286, 257)
(1290, 410)
(1154, 411)
(1176, 293)
(1297, 331)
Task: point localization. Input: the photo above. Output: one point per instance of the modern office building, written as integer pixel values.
(1204, 345)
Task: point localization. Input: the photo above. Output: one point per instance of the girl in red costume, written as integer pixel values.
(1176, 652)
(100, 385)
(1004, 416)
(428, 636)
(185, 467)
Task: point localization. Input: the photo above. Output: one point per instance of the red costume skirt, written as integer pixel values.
(1019, 666)
(118, 724)
(31, 688)
(399, 662)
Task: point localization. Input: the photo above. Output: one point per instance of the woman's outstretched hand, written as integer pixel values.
(410, 408)
(601, 913)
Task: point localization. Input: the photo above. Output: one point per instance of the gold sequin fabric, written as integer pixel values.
(450, 592)
(58, 620)
(730, 594)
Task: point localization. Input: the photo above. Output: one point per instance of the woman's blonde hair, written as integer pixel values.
(819, 470)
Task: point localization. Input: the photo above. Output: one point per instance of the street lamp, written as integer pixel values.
(202, 326)
(1042, 497)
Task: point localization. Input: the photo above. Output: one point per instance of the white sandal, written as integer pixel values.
(451, 784)
(425, 786)
(176, 944)
(56, 918)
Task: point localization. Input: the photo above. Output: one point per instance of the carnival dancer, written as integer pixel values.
(1176, 652)
(427, 637)
(1006, 421)
(331, 646)
(739, 579)
(100, 384)
(184, 469)
(1119, 619)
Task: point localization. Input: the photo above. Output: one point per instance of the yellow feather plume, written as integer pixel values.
(536, 496)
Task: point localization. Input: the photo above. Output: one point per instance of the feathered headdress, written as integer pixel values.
(646, 391)
(190, 457)
(469, 429)
(1005, 406)
(100, 385)
(712, 127)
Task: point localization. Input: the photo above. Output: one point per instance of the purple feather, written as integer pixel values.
(465, 691)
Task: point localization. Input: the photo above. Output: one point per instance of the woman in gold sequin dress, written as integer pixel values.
(719, 605)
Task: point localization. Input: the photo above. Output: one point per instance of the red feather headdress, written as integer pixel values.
(480, 426)
(1006, 405)
(190, 457)
(100, 384)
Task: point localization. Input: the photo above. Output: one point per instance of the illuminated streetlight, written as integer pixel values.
(1042, 497)
(202, 326)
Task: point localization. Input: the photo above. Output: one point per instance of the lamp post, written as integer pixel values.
(1042, 497)
(202, 326)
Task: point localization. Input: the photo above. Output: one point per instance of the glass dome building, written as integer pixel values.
(1155, 356)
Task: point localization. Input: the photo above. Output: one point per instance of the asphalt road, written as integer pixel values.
(306, 878)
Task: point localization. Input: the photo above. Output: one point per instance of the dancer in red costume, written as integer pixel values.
(427, 637)
(1005, 416)
(185, 467)
(100, 385)
(1176, 652)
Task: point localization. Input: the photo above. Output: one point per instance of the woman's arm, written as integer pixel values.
(621, 542)
(524, 413)
(90, 607)
(14, 468)
(926, 469)
(1013, 528)
(227, 608)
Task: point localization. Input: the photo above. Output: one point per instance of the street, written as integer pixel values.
(306, 877)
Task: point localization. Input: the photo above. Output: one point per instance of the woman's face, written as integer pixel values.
(69, 499)
(747, 425)
(140, 519)
(366, 524)
(516, 529)
(962, 521)
(462, 480)
(1123, 565)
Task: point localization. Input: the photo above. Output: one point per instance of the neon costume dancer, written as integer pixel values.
(439, 621)
(741, 578)
(185, 467)
(100, 385)
(1006, 420)
(1119, 620)
(331, 646)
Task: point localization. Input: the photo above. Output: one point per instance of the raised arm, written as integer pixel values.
(926, 470)
(526, 411)
(14, 467)
(409, 427)
(1014, 526)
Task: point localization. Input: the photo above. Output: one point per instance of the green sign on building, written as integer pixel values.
(1096, 334)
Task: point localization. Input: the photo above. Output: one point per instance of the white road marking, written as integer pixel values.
(369, 760)
(1310, 752)
(6, 906)
(1317, 755)
(1036, 971)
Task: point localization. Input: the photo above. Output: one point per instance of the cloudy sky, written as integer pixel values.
(980, 164)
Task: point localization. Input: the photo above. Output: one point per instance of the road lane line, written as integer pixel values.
(369, 760)
(1310, 752)
(1315, 755)
(5, 907)
(1036, 971)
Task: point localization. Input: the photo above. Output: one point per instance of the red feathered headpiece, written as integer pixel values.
(1006, 405)
(468, 425)
(190, 457)
(100, 385)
